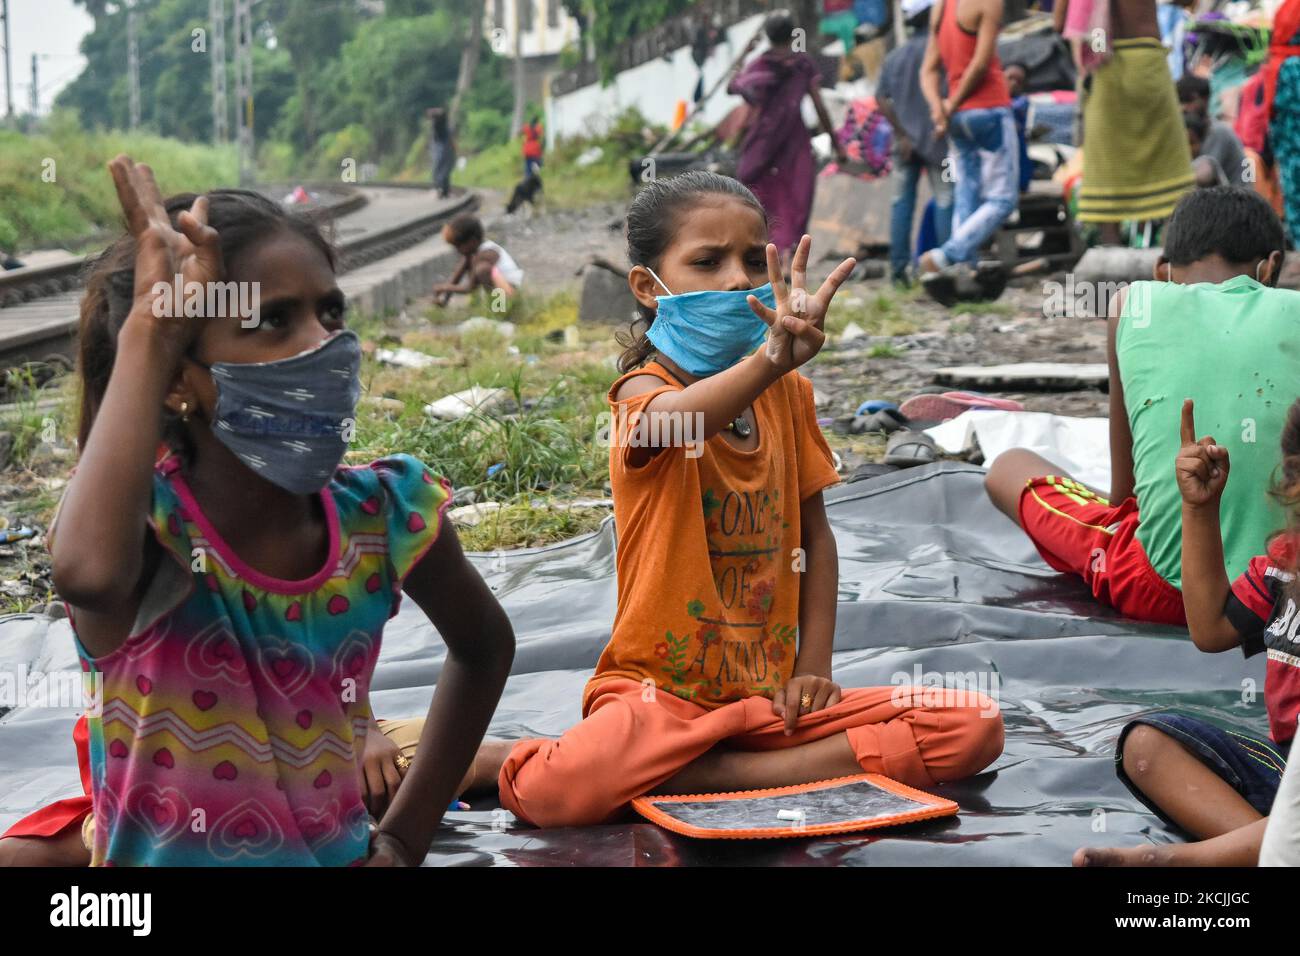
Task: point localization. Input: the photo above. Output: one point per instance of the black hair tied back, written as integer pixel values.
(652, 222)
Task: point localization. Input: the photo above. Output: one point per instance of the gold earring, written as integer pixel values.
(185, 411)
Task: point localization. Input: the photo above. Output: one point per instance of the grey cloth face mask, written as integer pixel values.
(289, 420)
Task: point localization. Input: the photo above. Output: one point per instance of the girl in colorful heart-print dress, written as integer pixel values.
(230, 599)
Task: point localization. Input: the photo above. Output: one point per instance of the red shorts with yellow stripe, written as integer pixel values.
(1079, 532)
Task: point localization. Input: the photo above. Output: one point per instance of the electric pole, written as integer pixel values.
(36, 90)
(244, 90)
(517, 117)
(217, 50)
(133, 65)
(9, 79)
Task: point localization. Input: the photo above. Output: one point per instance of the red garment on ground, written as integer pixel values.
(54, 819)
(1078, 532)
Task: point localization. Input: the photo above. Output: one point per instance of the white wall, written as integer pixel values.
(654, 88)
(541, 40)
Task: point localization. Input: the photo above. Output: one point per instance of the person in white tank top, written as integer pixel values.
(484, 264)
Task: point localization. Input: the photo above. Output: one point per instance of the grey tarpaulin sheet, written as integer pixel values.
(931, 577)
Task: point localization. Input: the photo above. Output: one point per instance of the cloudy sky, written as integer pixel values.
(52, 29)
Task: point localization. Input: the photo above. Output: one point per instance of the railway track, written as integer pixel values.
(38, 306)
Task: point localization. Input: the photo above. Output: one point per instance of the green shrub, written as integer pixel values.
(482, 129)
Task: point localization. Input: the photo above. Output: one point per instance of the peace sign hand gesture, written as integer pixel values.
(796, 324)
(163, 252)
(1202, 466)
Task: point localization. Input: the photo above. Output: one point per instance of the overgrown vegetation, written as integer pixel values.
(56, 191)
(541, 440)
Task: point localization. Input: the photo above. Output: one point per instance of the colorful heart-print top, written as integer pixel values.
(234, 716)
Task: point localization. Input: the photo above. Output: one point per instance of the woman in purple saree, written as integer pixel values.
(776, 158)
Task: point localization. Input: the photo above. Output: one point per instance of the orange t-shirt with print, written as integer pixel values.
(708, 571)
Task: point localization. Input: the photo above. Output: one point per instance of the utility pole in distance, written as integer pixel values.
(217, 50)
(9, 78)
(36, 90)
(133, 65)
(244, 90)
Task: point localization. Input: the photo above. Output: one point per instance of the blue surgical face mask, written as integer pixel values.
(290, 420)
(707, 332)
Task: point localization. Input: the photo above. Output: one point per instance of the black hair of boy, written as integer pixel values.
(1235, 223)
(779, 28)
(465, 228)
(1193, 88)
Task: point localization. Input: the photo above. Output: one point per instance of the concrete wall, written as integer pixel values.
(653, 87)
(542, 39)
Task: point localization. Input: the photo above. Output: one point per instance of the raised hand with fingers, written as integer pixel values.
(1202, 465)
(190, 250)
(796, 324)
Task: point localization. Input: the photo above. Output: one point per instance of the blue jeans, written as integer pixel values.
(984, 157)
(906, 175)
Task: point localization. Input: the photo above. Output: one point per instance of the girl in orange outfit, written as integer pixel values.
(717, 676)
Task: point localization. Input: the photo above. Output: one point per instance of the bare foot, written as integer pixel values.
(926, 264)
(1123, 856)
(486, 765)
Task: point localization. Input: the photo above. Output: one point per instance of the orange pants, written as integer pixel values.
(627, 745)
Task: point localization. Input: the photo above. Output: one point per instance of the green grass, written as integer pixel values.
(541, 443)
(879, 313)
(567, 186)
(986, 308)
(56, 191)
(29, 419)
(529, 524)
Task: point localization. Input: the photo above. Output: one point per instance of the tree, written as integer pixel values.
(313, 32)
(325, 73)
(469, 60)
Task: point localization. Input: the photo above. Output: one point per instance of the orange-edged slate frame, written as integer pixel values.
(657, 809)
